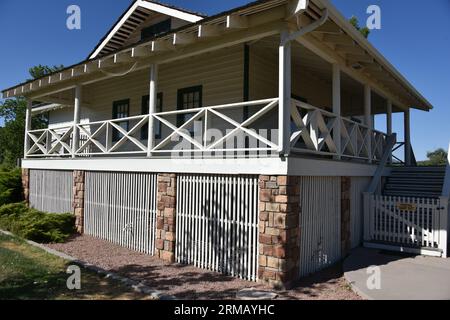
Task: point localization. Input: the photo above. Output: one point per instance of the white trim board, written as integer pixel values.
(150, 6)
(210, 166)
(330, 168)
(265, 166)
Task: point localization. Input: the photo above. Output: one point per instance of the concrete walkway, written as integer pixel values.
(402, 277)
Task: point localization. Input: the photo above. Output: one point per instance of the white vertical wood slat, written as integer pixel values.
(51, 190)
(416, 226)
(121, 208)
(221, 225)
(320, 223)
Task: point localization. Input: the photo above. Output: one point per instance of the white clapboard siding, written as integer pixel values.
(320, 223)
(219, 73)
(217, 223)
(121, 208)
(358, 186)
(51, 191)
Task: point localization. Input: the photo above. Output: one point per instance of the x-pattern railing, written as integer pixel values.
(203, 115)
(355, 139)
(100, 135)
(314, 128)
(50, 142)
(314, 132)
(379, 144)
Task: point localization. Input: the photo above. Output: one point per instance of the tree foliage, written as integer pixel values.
(355, 22)
(13, 113)
(40, 70)
(437, 157)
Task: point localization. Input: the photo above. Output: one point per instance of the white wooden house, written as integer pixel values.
(241, 142)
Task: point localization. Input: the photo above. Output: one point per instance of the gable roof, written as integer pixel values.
(130, 20)
(382, 72)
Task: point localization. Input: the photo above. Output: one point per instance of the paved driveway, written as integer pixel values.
(404, 277)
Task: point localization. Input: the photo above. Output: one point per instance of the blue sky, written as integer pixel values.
(416, 41)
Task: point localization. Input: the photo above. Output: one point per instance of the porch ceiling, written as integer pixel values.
(307, 62)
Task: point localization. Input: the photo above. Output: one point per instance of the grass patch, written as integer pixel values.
(36, 225)
(27, 272)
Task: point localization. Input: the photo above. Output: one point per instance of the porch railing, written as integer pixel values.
(253, 123)
(315, 129)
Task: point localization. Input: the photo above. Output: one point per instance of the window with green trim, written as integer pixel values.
(121, 109)
(188, 98)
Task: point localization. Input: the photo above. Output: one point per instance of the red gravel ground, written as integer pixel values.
(188, 282)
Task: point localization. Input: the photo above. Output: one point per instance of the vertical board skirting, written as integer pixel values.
(121, 208)
(359, 185)
(51, 191)
(217, 223)
(320, 223)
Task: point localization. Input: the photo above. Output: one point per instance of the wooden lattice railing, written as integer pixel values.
(314, 133)
(251, 127)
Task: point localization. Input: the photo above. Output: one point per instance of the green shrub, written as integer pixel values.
(9, 213)
(36, 225)
(10, 186)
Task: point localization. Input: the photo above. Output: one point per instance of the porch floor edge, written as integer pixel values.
(266, 166)
(293, 166)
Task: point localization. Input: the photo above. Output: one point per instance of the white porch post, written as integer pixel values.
(26, 145)
(152, 107)
(368, 118)
(284, 92)
(407, 128)
(389, 123)
(337, 108)
(76, 119)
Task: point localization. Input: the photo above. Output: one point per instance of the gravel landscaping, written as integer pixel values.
(188, 282)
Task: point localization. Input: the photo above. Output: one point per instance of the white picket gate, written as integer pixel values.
(121, 208)
(217, 223)
(409, 223)
(51, 190)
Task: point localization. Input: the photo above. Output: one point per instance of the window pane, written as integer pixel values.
(188, 98)
(120, 110)
(156, 29)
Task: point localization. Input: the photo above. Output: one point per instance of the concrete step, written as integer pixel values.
(418, 174)
(412, 187)
(418, 169)
(414, 180)
(407, 193)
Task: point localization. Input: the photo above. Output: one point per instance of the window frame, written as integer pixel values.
(116, 135)
(167, 23)
(181, 118)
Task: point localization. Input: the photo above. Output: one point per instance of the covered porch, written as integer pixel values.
(283, 100)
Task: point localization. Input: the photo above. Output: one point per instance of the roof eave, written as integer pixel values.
(347, 27)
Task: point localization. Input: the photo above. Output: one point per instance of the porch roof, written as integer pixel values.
(337, 38)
